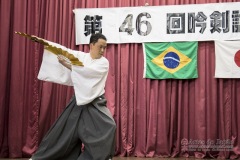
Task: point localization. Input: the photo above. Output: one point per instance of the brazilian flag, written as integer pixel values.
(176, 60)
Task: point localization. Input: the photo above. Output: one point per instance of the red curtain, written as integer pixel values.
(153, 117)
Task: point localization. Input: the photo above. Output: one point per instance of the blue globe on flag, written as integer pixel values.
(171, 60)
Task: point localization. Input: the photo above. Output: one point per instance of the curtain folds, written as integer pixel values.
(155, 118)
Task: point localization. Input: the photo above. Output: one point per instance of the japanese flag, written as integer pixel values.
(227, 55)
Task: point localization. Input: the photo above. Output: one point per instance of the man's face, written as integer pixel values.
(97, 49)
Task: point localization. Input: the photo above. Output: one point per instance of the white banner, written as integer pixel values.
(196, 22)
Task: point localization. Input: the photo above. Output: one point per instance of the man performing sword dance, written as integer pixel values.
(86, 119)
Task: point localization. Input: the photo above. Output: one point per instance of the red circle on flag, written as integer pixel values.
(237, 58)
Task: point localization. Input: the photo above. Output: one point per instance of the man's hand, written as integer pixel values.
(63, 60)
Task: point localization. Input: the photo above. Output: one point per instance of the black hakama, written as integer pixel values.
(91, 125)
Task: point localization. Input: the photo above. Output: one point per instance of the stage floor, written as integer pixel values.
(122, 158)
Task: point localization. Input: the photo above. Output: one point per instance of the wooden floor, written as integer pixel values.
(123, 158)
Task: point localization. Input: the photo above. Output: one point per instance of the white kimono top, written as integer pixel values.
(88, 80)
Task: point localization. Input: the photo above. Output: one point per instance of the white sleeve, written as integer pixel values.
(53, 71)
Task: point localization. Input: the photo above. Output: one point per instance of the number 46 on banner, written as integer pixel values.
(139, 22)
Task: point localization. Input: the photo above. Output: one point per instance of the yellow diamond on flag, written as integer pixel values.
(171, 60)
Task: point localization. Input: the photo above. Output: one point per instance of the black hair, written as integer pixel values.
(95, 37)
